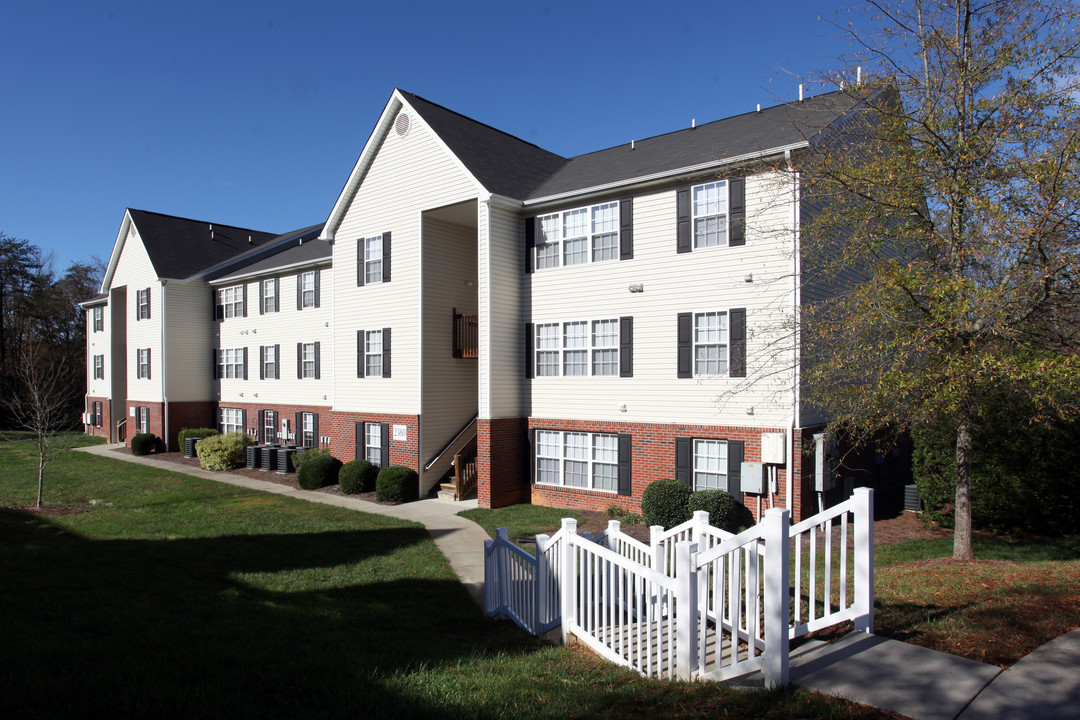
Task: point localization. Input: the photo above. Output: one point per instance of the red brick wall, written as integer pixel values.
(106, 417)
(653, 458)
(285, 412)
(157, 417)
(189, 414)
(342, 432)
(501, 462)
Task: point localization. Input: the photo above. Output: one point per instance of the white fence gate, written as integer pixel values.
(696, 601)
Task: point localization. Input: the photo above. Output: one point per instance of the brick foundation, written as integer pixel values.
(106, 417)
(502, 462)
(342, 432)
(189, 414)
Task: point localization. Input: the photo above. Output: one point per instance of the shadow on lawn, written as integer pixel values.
(171, 628)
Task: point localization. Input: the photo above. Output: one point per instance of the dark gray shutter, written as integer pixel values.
(626, 347)
(737, 338)
(215, 308)
(262, 296)
(626, 229)
(737, 211)
(734, 468)
(360, 353)
(386, 257)
(315, 429)
(277, 294)
(682, 209)
(149, 364)
(360, 262)
(318, 375)
(686, 345)
(386, 352)
(244, 304)
(384, 433)
(277, 362)
(624, 464)
(300, 291)
(360, 441)
(147, 303)
(298, 430)
(245, 363)
(317, 274)
(299, 361)
(261, 429)
(530, 349)
(214, 357)
(684, 461)
(530, 242)
(262, 362)
(243, 420)
(530, 453)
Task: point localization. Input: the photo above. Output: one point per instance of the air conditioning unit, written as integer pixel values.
(88, 418)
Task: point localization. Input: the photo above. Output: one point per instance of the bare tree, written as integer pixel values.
(41, 402)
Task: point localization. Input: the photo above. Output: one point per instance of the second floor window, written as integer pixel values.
(269, 295)
(710, 343)
(270, 363)
(99, 367)
(99, 319)
(142, 363)
(579, 236)
(583, 348)
(373, 259)
(307, 360)
(307, 289)
(710, 204)
(232, 363)
(142, 304)
(230, 302)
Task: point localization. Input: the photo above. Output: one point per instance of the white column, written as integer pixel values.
(568, 590)
(686, 610)
(864, 559)
(777, 552)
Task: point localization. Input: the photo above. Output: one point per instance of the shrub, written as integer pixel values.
(318, 470)
(397, 483)
(664, 502)
(143, 444)
(224, 452)
(185, 433)
(302, 456)
(618, 512)
(721, 505)
(357, 476)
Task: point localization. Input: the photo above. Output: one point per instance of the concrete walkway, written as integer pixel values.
(888, 674)
(460, 540)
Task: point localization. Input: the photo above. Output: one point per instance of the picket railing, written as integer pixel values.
(696, 601)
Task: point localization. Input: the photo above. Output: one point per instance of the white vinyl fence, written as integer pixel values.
(696, 601)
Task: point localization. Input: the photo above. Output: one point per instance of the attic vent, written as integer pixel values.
(131, 231)
(402, 124)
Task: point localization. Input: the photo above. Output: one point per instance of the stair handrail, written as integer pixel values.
(447, 446)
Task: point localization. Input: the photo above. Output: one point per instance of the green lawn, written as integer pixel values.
(175, 597)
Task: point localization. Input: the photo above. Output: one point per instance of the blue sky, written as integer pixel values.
(252, 114)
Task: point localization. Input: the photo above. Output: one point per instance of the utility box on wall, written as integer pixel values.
(774, 448)
(753, 477)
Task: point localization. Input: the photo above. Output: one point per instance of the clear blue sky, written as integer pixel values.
(253, 113)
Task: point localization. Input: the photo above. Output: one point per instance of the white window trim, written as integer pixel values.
(726, 192)
(590, 348)
(369, 260)
(142, 419)
(591, 461)
(371, 337)
(142, 360)
(231, 420)
(307, 430)
(725, 346)
(557, 243)
(231, 363)
(307, 289)
(269, 295)
(99, 367)
(270, 361)
(695, 470)
(270, 427)
(98, 319)
(230, 300)
(374, 432)
(307, 357)
(142, 302)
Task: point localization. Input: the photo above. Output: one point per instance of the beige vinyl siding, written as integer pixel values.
(450, 384)
(98, 343)
(188, 341)
(286, 328)
(502, 265)
(710, 279)
(134, 270)
(407, 176)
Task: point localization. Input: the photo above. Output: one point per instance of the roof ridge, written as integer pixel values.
(207, 222)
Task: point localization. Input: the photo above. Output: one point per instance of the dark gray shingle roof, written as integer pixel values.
(306, 249)
(179, 247)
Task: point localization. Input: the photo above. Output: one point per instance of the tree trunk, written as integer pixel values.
(40, 481)
(962, 512)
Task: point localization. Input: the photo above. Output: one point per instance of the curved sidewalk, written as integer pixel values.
(460, 540)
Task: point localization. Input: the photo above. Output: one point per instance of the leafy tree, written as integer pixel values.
(946, 225)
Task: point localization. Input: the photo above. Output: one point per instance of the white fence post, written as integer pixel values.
(543, 580)
(864, 559)
(777, 554)
(491, 580)
(686, 610)
(659, 557)
(502, 564)
(701, 521)
(569, 577)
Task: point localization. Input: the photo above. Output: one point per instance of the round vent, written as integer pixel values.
(402, 124)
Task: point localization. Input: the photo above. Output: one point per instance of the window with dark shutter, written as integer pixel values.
(684, 461)
(530, 243)
(737, 211)
(317, 293)
(685, 367)
(626, 229)
(245, 362)
(530, 349)
(737, 340)
(386, 352)
(626, 347)
(385, 447)
(386, 257)
(359, 440)
(625, 448)
(317, 362)
(683, 236)
(359, 353)
(734, 468)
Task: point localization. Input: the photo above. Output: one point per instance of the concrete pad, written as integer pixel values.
(1043, 685)
(892, 675)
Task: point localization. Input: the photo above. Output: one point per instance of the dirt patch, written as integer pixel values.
(54, 510)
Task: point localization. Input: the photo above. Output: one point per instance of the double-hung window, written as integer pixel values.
(710, 343)
(231, 420)
(373, 353)
(142, 363)
(269, 294)
(142, 419)
(96, 411)
(142, 304)
(373, 444)
(577, 459)
(307, 430)
(582, 348)
(578, 236)
(270, 364)
(270, 426)
(373, 260)
(99, 367)
(232, 363)
(710, 465)
(230, 302)
(308, 359)
(307, 289)
(710, 203)
(711, 214)
(99, 319)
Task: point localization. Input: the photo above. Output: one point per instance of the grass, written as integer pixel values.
(176, 597)
(521, 520)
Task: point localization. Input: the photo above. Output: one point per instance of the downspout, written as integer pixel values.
(164, 370)
(796, 299)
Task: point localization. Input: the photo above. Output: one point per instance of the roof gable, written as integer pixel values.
(180, 247)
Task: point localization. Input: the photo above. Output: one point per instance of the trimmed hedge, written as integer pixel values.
(723, 508)
(318, 470)
(224, 452)
(143, 444)
(302, 456)
(397, 483)
(665, 502)
(357, 476)
(185, 433)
